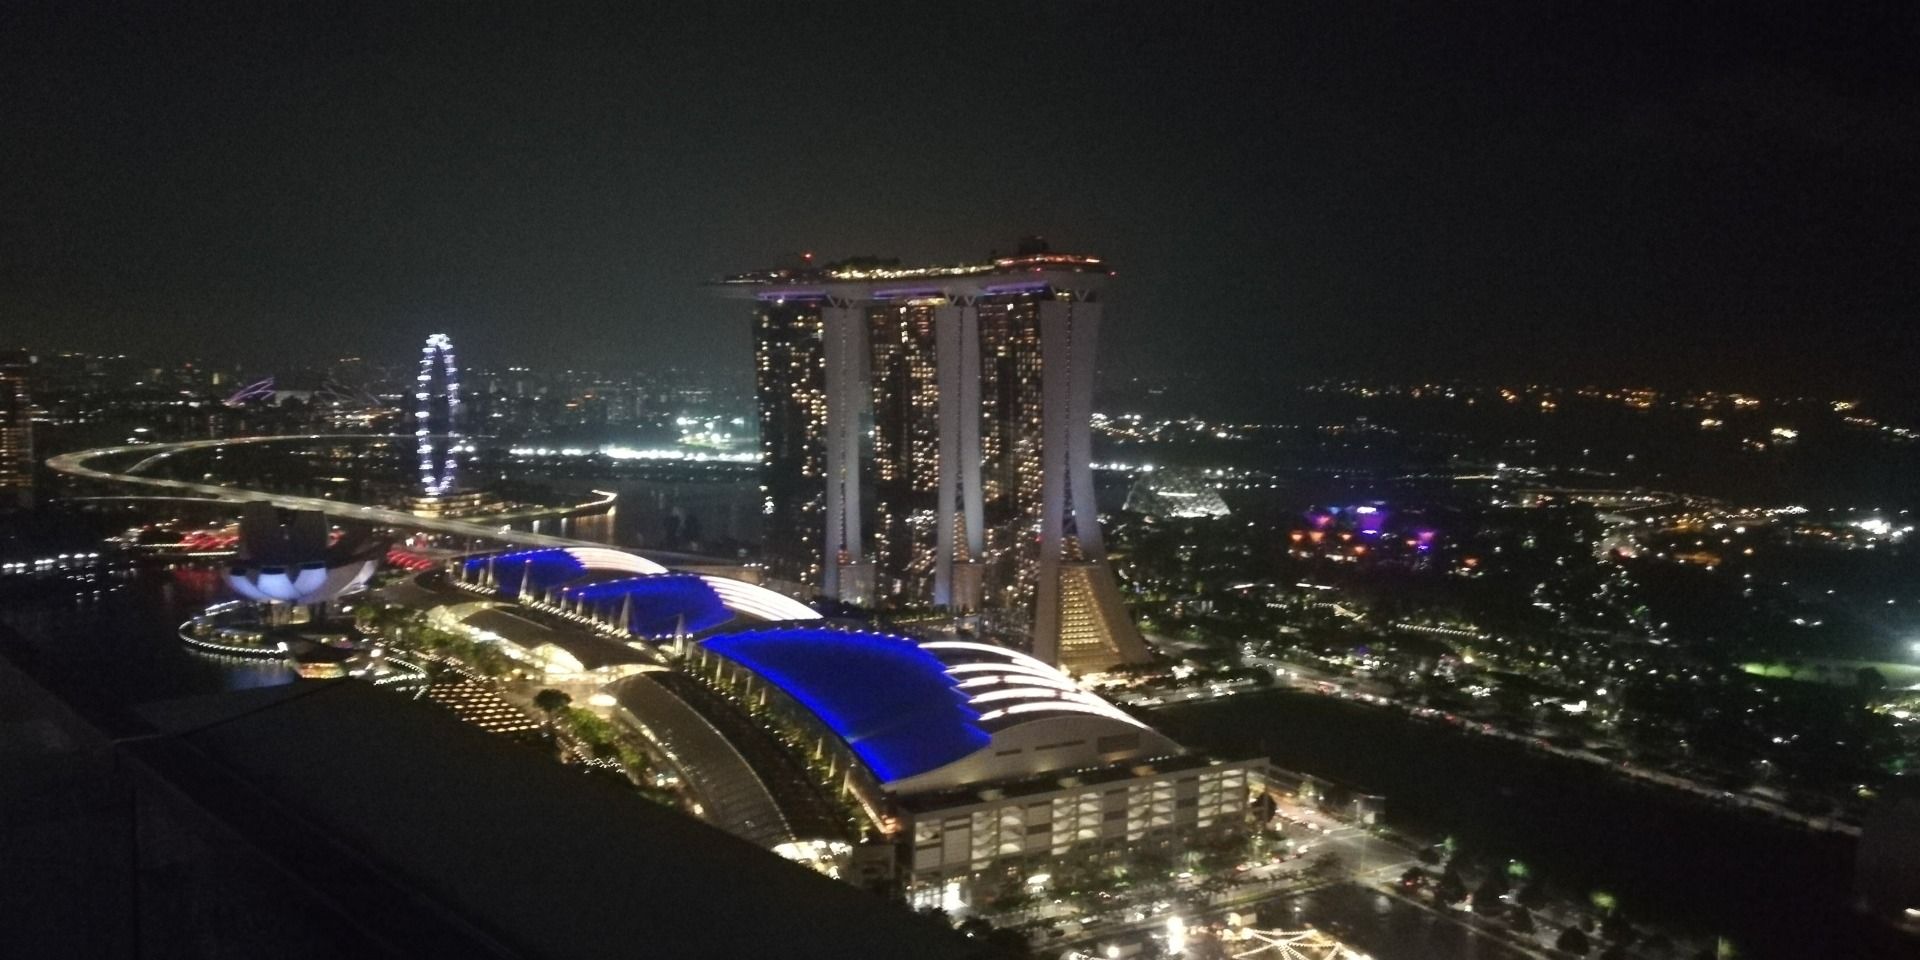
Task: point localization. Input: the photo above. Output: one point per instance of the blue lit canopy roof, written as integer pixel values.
(907, 707)
(657, 605)
(554, 566)
(551, 569)
(891, 701)
(544, 568)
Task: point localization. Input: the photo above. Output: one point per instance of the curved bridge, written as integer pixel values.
(78, 465)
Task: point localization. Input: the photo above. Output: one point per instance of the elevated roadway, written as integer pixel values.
(81, 464)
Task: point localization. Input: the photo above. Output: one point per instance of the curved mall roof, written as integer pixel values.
(657, 605)
(889, 700)
(551, 567)
(909, 708)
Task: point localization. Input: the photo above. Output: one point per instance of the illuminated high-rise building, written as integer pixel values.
(789, 372)
(935, 420)
(16, 432)
(906, 448)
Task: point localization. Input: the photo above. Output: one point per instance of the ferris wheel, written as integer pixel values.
(437, 390)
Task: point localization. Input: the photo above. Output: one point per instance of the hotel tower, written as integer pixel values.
(924, 441)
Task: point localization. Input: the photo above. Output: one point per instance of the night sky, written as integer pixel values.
(1540, 191)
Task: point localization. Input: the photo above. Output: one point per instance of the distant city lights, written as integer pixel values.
(614, 451)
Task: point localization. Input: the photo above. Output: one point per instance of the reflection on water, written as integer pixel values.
(710, 517)
(247, 674)
(598, 528)
(105, 652)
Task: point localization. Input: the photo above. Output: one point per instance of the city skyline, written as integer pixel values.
(1003, 481)
(1365, 596)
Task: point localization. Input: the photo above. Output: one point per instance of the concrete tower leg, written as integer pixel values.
(1079, 623)
(961, 538)
(846, 574)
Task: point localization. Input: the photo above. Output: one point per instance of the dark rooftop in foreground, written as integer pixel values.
(411, 834)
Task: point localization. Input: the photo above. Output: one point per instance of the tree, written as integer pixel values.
(1326, 865)
(1486, 897)
(1573, 941)
(1018, 899)
(1451, 888)
(1154, 864)
(974, 927)
(1604, 902)
(1224, 852)
(551, 702)
(1520, 919)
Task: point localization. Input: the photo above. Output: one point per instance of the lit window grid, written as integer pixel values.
(1105, 816)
